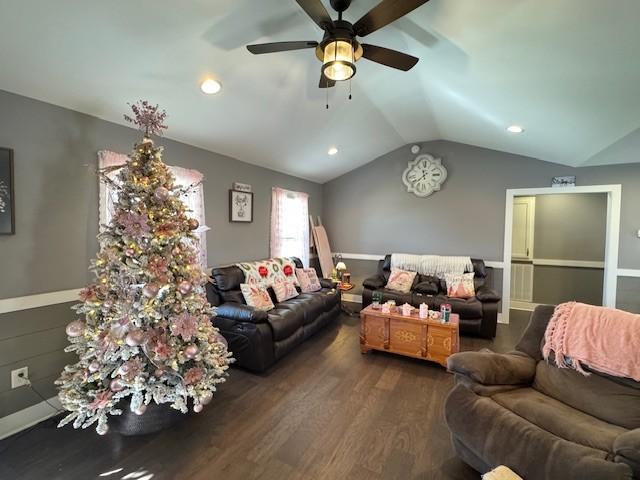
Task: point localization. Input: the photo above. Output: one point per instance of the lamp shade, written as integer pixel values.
(341, 266)
(339, 59)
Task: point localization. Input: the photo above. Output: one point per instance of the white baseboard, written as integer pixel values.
(23, 419)
(501, 319)
(629, 272)
(526, 306)
(348, 297)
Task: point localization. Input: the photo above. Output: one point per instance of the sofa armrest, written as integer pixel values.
(328, 283)
(374, 282)
(486, 294)
(488, 368)
(241, 313)
(627, 450)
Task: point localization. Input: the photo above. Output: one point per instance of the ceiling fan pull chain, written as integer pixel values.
(327, 92)
(350, 89)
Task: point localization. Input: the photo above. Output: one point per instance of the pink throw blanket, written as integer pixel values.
(604, 339)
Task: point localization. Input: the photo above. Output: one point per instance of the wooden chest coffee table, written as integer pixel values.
(427, 339)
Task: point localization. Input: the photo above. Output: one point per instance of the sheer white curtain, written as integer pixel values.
(194, 198)
(290, 224)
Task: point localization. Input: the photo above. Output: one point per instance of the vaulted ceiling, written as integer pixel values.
(567, 71)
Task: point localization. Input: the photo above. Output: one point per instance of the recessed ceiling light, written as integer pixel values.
(332, 151)
(210, 86)
(515, 129)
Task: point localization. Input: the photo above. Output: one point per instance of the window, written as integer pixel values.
(290, 225)
(194, 198)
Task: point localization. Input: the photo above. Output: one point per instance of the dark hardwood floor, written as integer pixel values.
(323, 412)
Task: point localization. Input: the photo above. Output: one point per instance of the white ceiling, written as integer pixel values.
(568, 71)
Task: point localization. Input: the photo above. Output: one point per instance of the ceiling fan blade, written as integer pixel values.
(315, 9)
(326, 82)
(279, 47)
(384, 13)
(390, 58)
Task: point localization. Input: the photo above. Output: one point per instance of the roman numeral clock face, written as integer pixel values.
(424, 175)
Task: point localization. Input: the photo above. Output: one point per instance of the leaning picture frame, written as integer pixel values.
(240, 206)
(7, 193)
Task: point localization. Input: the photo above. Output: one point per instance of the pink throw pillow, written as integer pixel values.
(285, 290)
(460, 286)
(256, 296)
(308, 280)
(401, 280)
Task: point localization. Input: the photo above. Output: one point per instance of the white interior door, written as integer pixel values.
(523, 224)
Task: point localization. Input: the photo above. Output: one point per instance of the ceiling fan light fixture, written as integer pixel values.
(339, 60)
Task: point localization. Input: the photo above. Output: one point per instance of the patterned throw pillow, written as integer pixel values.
(256, 296)
(308, 279)
(285, 290)
(460, 286)
(401, 280)
(267, 272)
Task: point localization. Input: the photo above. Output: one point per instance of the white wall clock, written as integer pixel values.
(424, 175)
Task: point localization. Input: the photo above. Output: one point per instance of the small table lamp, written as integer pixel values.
(341, 268)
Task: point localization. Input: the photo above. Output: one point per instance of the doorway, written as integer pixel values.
(560, 244)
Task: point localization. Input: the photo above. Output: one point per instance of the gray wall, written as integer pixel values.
(571, 227)
(368, 210)
(56, 223)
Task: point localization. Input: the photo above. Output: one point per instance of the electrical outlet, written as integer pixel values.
(19, 377)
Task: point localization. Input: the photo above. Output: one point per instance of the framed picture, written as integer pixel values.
(7, 200)
(240, 206)
(566, 181)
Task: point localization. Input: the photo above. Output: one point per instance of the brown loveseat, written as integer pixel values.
(541, 421)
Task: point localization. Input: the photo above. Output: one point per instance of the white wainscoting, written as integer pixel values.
(38, 300)
(554, 262)
(12, 424)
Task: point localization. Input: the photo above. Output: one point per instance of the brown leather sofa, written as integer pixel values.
(543, 422)
(258, 339)
(478, 315)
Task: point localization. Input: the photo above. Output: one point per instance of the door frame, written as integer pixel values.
(614, 201)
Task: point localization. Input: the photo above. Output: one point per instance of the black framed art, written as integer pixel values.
(240, 206)
(7, 200)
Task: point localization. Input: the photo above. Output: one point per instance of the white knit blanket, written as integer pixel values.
(434, 265)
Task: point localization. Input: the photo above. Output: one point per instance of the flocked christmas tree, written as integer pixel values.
(144, 331)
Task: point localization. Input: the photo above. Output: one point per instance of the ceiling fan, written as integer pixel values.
(339, 49)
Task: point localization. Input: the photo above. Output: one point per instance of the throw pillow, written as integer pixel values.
(256, 296)
(308, 279)
(460, 286)
(284, 290)
(401, 280)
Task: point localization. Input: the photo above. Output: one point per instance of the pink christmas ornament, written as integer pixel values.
(197, 407)
(124, 369)
(134, 338)
(94, 367)
(140, 410)
(184, 287)
(191, 351)
(220, 339)
(193, 223)
(108, 304)
(116, 385)
(161, 194)
(75, 328)
(129, 252)
(150, 290)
